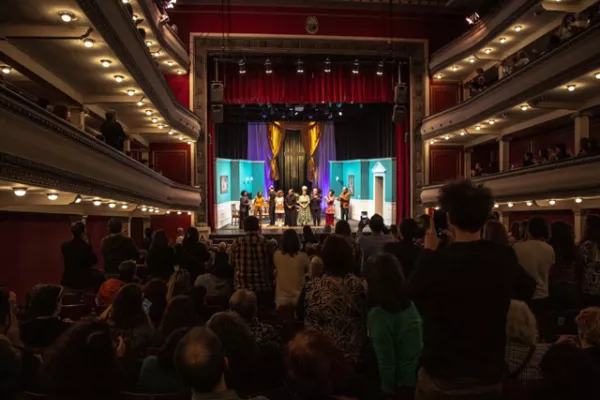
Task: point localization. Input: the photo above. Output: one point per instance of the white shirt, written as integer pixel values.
(289, 280)
(536, 257)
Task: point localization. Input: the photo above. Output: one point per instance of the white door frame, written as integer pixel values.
(378, 171)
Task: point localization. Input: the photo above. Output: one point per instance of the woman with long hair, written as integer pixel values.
(180, 313)
(589, 259)
(155, 291)
(563, 275)
(193, 254)
(308, 236)
(161, 258)
(291, 266)
(179, 283)
(494, 231)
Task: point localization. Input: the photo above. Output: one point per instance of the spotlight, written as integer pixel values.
(447, 137)
(552, 202)
(570, 88)
(171, 132)
(130, 92)
(268, 67)
(510, 205)
(578, 200)
(144, 209)
(524, 107)
(463, 133)
(20, 191)
(503, 40)
(105, 63)
(88, 42)
(67, 16)
(328, 65)
(496, 205)
(124, 206)
(149, 43)
(471, 60)
(178, 212)
(380, 68)
(78, 199)
(491, 122)
(300, 67)
(473, 19)
(52, 196)
(242, 66)
(518, 28)
(154, 120)
(487, 51)
(529, 203)
(97, 202)
(148, 112)
(6, 69)
(112, 205)
(119, 78)
(478, 128)
(355, 67)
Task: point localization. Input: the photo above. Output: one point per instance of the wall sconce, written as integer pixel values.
(248, 179)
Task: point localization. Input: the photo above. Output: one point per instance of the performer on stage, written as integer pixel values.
(291, 214)
(272, 196)
(315, 207)
(304, 216)
(244, 208)
(279, 207)
(345, 203)
(259, 203)
(330, 210)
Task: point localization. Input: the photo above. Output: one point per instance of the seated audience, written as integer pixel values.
(308, 236)
(315, 269)
(155, 291)
(117, 247)
(537, 257)
(528, 159)
(197, 295)
(523, 353)
(563, 279)
(109, 289)
(469, 277)
(180, 313)
(336, 303)
(219, 278)
(522, 59)
(112, 131)
(179, 283)
(161, 257)
(147, 241)
(158, 375)
(494, 231)
(560, 152)
(478, 83)
(44, 308)
(79, 259)
(588, 332)
(588, 146)
(394, 324)
(406, 251)
(343, 228)
(253, 273)
(477, 170)
(62, 111)
(10, 369)
(291, 265)
(543, 156)
(373, 244)
(83, 363)
(588, 257)
(202, 363)
(193, 254)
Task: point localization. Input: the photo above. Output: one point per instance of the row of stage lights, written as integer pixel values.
(52, 196)
(300, 67)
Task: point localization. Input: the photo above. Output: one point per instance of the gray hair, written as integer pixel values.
(521, 325)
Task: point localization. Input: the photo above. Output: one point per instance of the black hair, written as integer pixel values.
(148, 232)
(243, 192)
(61, 111)
(386, 283)
(160, 240)
(164, 356)
(180, 313)
(409, 229)
(562, 240)
(309, 235)
(592, 229)
(394, 230)
(192, 237)
(127, 307)
(5, 309)
(376, 223)
(110, 115)
(290, 242)
(337, 256)
(515, 230)
(468, 206)
(544, 153)
(127, 271)
(78, 229)
(115, 225)
(236, 336)
(44, 300)
(424, 223)
(342, 227)
(538, 228)
(251, 224)
(332, 191)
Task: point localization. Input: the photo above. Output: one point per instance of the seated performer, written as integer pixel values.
(244, 208)
(291, 213)
(330, 210)
(279, 207)
(315, 206)
(259, 203)
(345, 203)
(304, 216)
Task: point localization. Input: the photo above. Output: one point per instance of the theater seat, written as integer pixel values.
(74, 312)
(138, 396)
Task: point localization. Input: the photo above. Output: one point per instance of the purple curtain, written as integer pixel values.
(258, 148)
(323, 155)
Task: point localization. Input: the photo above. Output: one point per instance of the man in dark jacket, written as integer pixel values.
(112, 131)
(79, 260)
(117, 247)
(272, 196)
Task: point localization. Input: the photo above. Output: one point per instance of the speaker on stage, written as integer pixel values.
(216, 113)
(398, 116)
(401, 94)
(216, 92)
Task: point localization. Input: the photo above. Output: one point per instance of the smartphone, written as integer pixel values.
(146, 305)
(440, 219)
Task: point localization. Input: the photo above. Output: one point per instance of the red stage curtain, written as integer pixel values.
(284, 85)
(402, 172)
(209, 196)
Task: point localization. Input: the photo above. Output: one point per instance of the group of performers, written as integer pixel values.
(293, 209)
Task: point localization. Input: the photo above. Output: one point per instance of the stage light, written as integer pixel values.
(130, 92)
(578, 200)
(88, 43)
(124, 206)
(355, 67)
(570, 88)
(473, 18)
(178, 212)
(112, 205)
(144, 209)
(340, 113)
(97, 202)
(52, 196)
(328, 65)
(67, 16)
(510, 205)
(20, 191)
(149, 43)
(300, 67)
(6, 69)
(119, 78)
(552, 202)
(78, 199)
(496, 205)
(380, 68)
(242, 66)
(529, 203)
(105, 63)
(268, 67)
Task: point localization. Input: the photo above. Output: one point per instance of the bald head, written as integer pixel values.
(243, 302)
(200, 360)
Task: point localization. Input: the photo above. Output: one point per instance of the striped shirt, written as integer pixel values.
(252, 255)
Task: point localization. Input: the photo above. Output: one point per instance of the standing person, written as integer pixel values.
(589, 259)
(280, 208)
(112, 131)
(244, 207)
(406, 251)
(147, 241)
(564, 293)
(161, 258)
(452, 284)
(116, 247)
(373, 244)
(259, 203)
(315, 207)
(252, 257)
(304, 216)
(345, 203)
(180, 236)
(330, 210)
(272, 197)
(291, 213)
(291, 266)
(537, 257)
(79, 259)
(193, 254)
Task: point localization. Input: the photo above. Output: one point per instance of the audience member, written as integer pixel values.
(477, 170)
(193, 254)
(180, 236)
(394, 324)
(291, 265)
(373, 244)
(109, 289)
(308, 236)
(528, 159)
(197, 294)
(158, 375)
(522, 59)
(252, 258)
(589, 260)
(83, 363)
(478, 83)
(494, 231)
(180, 313)
(219, 278)
(179, 283)
(155, 291)
(537, 257)
(469, 277)
(406, 251)
(79, 260)
(44, 308)
(201, 361)
(117, 247)
(523, 229)
(62, 111)
(563, 278)
(147, 242)
(161, 257)
(10, 369)
(335, 303)
(523, 354)
(514, 235)
(343, 228)
(560, 152)
(588, 332)
(544, 156)
(112, 131)
(315, 269)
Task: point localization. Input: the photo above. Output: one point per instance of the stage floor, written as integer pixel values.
(233, 230)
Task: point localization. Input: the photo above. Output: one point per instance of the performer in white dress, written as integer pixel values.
(279, 208)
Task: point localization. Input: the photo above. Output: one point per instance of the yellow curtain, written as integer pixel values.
(311, 136)
(276, 133)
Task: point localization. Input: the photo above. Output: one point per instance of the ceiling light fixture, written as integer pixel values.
(570, 88)
(67, 16)
(242, 67)
(52, 196)
(20, 191)
(299, 67)
(130, 92)
(510, 205)
(134, 17)
(447, 137)
(529, 203)
(154, 120)
(124, 206)
(149, 43)
(88, 42)
(518, 28)
(144, 209)
(151, 209)
(355, 67)
(471, 60)
(119, 78)
(478, 128)
(491, 122)
(487, 51)
(598, 75)
(438, 76)
(463, 132)
(268, 67)
(180, 137)
(327, 65)
(496, 205)
(168, 211)
(5, 69)
(105, 63)
(178, 212)
(97, 202)
(160, 126)
(112, 205)
(380, 68)
(148, 112)
(155, 54)
(578, 200)
(552, 202)
(140, 103)
(524, 107)
(126, 1)
(189, 142)
(189, 213)
(156, 211)
(454, 68)
(171, 132)
(473, 18)
(179, 72)
(503, 40)
(169, 63)
(78, 199)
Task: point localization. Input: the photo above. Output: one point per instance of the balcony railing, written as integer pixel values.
(576, 176)
(38, 148)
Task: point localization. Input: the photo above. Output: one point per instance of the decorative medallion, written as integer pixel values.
(312, 25)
